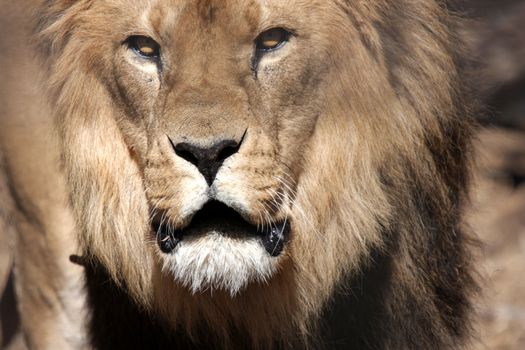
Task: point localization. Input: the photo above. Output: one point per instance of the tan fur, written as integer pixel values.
(342, 124)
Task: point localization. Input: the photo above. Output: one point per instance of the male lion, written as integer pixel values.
(240, 174)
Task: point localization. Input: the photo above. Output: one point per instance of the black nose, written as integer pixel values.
(207, 160)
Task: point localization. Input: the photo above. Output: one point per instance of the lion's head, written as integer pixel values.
(236, 158)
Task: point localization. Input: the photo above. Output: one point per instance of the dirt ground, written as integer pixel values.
(498, 217)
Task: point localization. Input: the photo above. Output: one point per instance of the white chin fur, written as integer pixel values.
(216, 262)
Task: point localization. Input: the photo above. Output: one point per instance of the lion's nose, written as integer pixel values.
(207, 160)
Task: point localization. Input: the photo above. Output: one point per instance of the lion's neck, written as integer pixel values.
(370, 310)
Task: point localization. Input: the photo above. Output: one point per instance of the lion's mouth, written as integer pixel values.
(216, 217)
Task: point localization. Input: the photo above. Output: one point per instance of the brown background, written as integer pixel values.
(497, 213)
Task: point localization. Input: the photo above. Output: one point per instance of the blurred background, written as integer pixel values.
(496, 35)
(497, 212)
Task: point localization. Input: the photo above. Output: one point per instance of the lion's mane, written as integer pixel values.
(378, 202)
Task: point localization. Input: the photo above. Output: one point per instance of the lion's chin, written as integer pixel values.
(220, 250)
(214, 261)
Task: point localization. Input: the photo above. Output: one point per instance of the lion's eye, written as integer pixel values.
(272, 39)
(144, 46)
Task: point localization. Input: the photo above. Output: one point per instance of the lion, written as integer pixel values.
(238, 174)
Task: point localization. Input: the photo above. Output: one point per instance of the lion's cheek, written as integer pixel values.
(137, 86)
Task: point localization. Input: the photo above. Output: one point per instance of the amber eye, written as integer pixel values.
(144, 46)
(272, 39)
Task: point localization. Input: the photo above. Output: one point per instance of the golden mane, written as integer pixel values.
(375, 193)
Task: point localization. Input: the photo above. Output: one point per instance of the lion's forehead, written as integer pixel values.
(235, 17)
(165, 16)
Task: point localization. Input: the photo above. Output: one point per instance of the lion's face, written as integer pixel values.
(218, 101)
(225, 156)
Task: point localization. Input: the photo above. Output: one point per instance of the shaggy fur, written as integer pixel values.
(356, 131)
